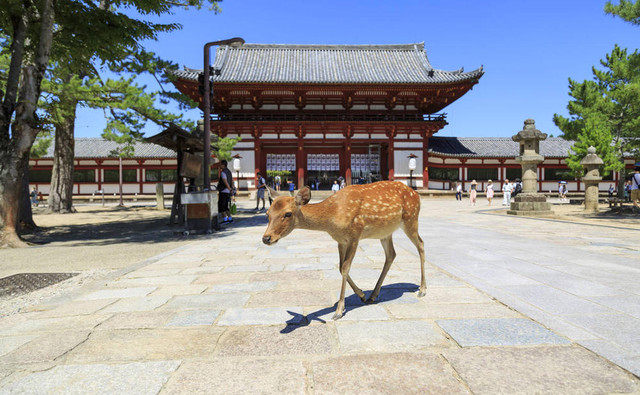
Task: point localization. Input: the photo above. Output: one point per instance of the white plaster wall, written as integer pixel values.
(401, 163)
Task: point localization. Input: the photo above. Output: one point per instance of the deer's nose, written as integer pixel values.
(266, 240)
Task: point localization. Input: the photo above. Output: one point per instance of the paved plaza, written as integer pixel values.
(513, 305)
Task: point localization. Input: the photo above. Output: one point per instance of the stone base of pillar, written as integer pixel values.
(533, 205)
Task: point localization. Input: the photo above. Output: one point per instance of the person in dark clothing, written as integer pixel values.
(261, 184)
(225, 189)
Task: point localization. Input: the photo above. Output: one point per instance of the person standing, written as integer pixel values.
(278, 181)
(292, 187)
(506, 190)
(473, 192)
(34, 197)
(260, 193)
(225, 189)
(343, 184)
(611, 191)
(317, 183)
(635, 187)
(458, 191)
(335, 187)
(490, 191)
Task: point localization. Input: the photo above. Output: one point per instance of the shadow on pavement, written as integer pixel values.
(387, 293)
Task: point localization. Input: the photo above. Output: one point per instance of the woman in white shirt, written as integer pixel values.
(489, 191)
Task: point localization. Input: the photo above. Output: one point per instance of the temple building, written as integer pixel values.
(326, 111)
(319, 112)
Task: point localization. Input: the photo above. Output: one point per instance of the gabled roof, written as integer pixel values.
(101, 148)
(494, 147)
(320, 64)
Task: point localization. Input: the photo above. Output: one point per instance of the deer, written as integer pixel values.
(370, 211)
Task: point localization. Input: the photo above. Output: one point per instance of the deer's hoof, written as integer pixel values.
(370, 301)
(337, 316)
(421, 293)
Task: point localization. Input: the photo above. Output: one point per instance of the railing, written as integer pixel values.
(331, 117)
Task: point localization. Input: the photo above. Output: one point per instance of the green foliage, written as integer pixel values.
(224, 146)
(284, 174)
(40, 146)
(594, 133)
(605, 112)
(626, 9)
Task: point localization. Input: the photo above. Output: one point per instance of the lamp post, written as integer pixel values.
(237, 167)
(412, 167)
(206, 102)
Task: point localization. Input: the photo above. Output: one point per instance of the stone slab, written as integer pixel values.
(45, 348)
(146, 303)
(538, 370)
(194, 318)
(160, 280)
(387, 336)
(57, 324)
(261, 316)
(10, 343)
(242, 287)
(290, 298)
(455, 295)
(399, 373)
(620, 329)
(248, 376)
(78, 308)
(555, 301)
(311, 266)
(246, 268)
(361, 313)
(205, 302)
(499, 332)
(287, 276)
(451, 311)
(136, 320)
(146, 344)
(174, 290)
(275, 340)
(131, 378)
(118, 293)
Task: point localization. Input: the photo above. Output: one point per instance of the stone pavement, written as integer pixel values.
(227, 314)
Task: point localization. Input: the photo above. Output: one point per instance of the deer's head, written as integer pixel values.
(284, 215)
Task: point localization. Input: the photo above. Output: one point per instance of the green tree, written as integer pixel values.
(627, 10)
(84, 32)
(605, 112)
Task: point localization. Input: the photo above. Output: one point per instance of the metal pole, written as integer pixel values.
(206, 102)
(120, 177)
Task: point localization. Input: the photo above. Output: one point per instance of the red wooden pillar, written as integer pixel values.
(425, 162)
(258, 155)
(391, 134)
(347, 156)
(300, 163)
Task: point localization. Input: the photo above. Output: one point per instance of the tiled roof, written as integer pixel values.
(359, 64)
(494, 147)
(101, 148)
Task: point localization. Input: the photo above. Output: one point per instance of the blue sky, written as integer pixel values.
(528, 49)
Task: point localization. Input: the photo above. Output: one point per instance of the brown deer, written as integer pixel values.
(372, 211)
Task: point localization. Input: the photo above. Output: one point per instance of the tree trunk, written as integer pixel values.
(14, 156)
(61, 193)
(10, 189)
(26, 214)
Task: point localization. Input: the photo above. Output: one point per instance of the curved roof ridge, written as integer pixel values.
(344, 47)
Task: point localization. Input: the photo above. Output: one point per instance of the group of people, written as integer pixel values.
(338, 184)
(509, 190)
(35, 197)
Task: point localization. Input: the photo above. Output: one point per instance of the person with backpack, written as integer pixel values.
(260, 194)
(225, 189)
(517, 188)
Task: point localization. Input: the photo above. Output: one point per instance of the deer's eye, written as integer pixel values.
(287, 215)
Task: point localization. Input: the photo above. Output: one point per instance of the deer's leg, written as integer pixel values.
(390, 255)
(411, 230)
(349, 253)
(356, 290)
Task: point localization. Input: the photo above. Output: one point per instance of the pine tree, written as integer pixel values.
(605, 112)
(627, 10)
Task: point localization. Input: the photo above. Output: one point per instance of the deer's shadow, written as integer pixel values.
(387, 293)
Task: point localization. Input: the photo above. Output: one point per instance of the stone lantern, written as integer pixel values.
(529, 202)
(591, 179)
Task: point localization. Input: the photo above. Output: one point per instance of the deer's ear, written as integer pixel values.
(303, 196)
